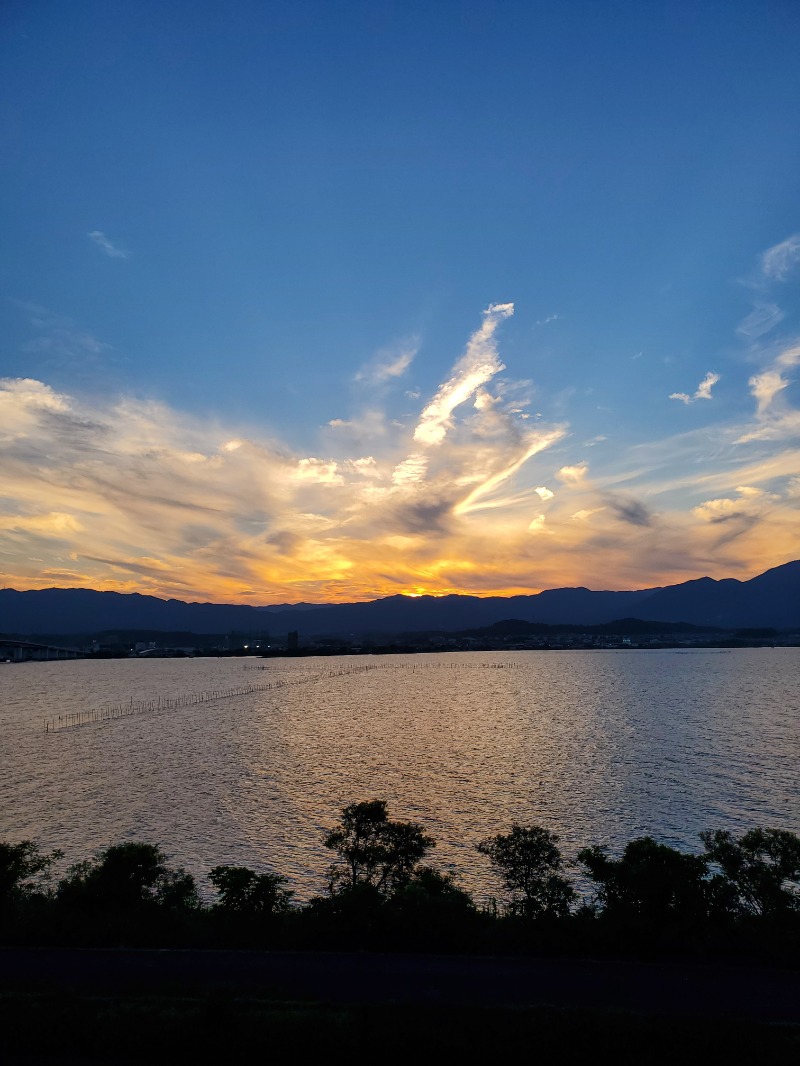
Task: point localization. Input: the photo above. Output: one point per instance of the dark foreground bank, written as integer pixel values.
(62, 1005)
(348, 978)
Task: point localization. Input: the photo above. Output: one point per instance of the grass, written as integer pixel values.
(224, 1028)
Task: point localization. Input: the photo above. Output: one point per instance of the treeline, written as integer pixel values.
(741, 895)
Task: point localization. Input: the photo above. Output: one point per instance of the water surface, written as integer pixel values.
(597, 746)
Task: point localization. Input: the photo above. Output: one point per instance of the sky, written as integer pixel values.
(324, 301)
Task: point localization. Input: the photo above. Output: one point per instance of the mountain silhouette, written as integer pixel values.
(771, 599)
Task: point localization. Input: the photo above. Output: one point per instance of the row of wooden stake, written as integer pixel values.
(72, 720)
(59, 722)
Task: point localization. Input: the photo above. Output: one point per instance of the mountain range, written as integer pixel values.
(770, 599)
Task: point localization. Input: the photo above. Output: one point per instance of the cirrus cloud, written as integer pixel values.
(106, 245)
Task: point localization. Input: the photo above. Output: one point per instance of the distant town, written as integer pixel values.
(627, 634)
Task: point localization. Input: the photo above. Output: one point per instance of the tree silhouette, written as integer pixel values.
(243, 891)
(24, 871)
(760, 870)
(650, 880)
(373, 851)
(529, 863)
(126, 876)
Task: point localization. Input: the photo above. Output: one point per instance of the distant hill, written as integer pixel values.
(273, 607)
(628, 627)
(771, 599)
(84, 610)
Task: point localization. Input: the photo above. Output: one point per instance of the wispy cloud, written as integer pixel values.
(389, 363)
(104, 244)
(778, 261)
(735, 516)
(59, 343)
(764, 317)
(478, 365)
(369, 425)
(703, 391)
(775, 417)
(774, 266)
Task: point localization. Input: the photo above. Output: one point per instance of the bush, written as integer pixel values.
(125, 877)
(651, 881)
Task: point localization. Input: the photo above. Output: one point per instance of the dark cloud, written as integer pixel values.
(74, 429)
(629, 510)
(286, 542)
(744, 523)
(134, 568)
(423, 516)
(196, 536)
(731, 516)
(68, 577)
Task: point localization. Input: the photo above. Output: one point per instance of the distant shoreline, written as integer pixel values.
(402, 649)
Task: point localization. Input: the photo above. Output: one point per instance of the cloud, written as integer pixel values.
(774, 266)
(775, 418)
(573, 475)
(26, 394)
(788, 357)
(412, 469)
(735, 516)
(369, 425)
(703, 391)
(367, 466)
(765, 387)
(111, 250)
(54, 524)
(478, 365)
(585, 513)
(778, 261)
(761, 320)
(704, 388)
(548, 319)
(531, 444)
(627, 509)
(59, 344)
(390, 363)
(544, 493)
(424, 516)
(319, 471)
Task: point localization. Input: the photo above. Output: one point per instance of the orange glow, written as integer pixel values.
(485, 506)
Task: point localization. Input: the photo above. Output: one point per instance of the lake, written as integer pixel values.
(599, 746)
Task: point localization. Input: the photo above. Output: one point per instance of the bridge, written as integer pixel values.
(23, 651)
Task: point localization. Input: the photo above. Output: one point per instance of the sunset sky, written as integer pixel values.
(325, 301)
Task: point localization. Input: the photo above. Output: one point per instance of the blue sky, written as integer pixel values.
(280, 225)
